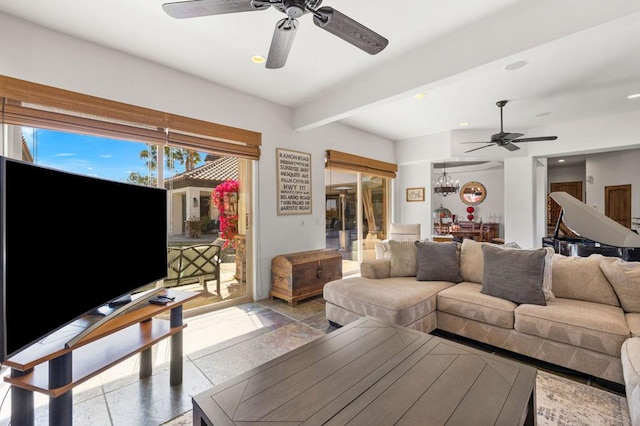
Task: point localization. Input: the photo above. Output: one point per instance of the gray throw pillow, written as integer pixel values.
(514, 275)
(438, 262)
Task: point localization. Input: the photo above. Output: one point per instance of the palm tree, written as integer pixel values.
(184, 157)
(172, 156)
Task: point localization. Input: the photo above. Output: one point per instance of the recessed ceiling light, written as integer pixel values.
(543, 114)
(515, 65)
(634, 96)
(464, 124)
(420, 95)
(561, 160)
(257, 59)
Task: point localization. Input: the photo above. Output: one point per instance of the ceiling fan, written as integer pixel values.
(326, 18)
(507, 140)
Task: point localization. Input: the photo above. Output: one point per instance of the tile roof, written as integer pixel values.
(221, 169)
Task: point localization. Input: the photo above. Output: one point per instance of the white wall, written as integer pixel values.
(43, 56)
(611, 169)
(415, 158)
(567, 174)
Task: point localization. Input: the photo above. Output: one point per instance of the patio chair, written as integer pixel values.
(196, 263)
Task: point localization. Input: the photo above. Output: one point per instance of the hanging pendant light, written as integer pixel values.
(445, 185)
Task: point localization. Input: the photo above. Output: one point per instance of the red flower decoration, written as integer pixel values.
(470, 216)
(228, 220)
(470, 209)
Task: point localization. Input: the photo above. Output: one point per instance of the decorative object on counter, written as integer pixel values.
(473, 193)
(439, 214)
(445, 185)
(470, 211)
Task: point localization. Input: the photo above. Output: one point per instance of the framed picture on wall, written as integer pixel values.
(294, 181)
(415, 194)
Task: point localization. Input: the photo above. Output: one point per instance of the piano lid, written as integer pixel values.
(589, 223)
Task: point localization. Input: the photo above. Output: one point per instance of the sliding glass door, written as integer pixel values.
(356, 215)
(192, 179)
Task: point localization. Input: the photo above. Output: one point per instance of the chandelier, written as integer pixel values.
(445, 184)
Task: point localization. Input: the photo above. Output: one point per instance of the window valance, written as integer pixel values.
(342, 161)
(35, 105)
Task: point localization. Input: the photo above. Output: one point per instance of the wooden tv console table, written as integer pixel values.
(54, 370)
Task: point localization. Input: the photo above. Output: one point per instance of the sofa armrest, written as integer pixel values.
(376, 269)
(382, 249)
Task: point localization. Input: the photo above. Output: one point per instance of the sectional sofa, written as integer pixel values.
(581, 313)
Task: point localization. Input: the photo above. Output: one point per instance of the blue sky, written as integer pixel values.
(87, 155)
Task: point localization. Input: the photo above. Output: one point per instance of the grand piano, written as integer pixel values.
(587, 231)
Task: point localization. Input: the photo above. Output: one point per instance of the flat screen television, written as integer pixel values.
(70, 244)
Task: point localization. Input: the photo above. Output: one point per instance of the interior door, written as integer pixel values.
(617, 204)
(553, 208)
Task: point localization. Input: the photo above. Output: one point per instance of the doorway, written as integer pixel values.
(356, 213)
(553, 208)
(617, 204)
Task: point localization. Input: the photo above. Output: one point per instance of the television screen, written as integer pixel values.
(70, 244)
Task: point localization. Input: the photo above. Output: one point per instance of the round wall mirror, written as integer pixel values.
(473, 193)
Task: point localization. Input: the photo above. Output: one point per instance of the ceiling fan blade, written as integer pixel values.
(475, 149)
(510, 146)
(478, 142)
(349, 30)
(281, 42)
(536, 139)
(511, 136)
(196, 8)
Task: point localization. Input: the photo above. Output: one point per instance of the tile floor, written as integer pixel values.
(217, 346)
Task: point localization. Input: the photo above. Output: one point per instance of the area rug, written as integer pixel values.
(560, 401)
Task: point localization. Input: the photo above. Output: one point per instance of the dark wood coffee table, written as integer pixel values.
(370, 372)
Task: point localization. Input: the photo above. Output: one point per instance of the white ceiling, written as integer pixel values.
(583, 58)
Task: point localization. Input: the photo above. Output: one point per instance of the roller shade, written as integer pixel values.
(35, 105)
(354, 163)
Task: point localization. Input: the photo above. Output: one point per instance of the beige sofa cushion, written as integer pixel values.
(633, 322)
(400, 300)
(581, 278)
(599, 327)
(630, 358)
(472, 264)
(465, 300)
(624, 277)
(471, 261)
(375, 268)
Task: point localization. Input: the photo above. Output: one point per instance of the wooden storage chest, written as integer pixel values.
(301, 275)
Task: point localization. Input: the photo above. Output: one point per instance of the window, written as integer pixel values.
(153, 148)
(357, 205)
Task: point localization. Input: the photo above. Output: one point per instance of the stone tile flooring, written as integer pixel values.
(217, 346)
(222, 344)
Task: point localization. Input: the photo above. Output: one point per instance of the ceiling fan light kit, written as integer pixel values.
(508, 140)
(326, 18)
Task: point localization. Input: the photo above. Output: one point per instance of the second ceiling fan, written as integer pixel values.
(508, 140)
(326, 18)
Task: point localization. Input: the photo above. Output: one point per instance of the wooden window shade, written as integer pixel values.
(342, 161)
(35, 105)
